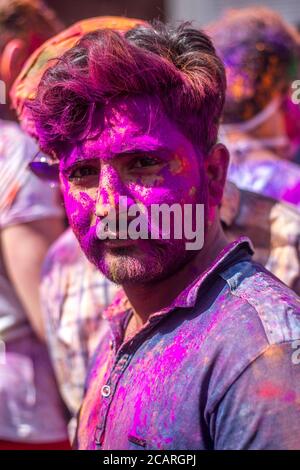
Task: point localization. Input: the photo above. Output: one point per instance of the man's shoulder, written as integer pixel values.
(253, 317)
(274, 305)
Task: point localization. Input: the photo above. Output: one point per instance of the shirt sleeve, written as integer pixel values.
(261, 409)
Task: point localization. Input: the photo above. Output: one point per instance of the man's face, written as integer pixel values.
(138, 153)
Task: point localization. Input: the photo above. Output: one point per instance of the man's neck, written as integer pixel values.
(149, 298)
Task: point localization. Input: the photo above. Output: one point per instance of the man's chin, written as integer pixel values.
(128, 266)
(137, 263)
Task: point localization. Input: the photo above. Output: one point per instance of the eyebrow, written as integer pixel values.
(81, 154)
(138, 150)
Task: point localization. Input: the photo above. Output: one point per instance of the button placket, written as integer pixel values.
(107, 393)
(121, 361)
(98, 434)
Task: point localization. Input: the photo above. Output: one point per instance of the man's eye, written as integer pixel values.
(83, 172)
(144, 162)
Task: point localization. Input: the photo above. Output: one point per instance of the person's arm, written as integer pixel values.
(24, 248)
(261, 409)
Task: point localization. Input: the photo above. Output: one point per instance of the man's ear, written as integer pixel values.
(12, 59)
(216, 164)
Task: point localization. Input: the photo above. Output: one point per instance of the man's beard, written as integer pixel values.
(146, 261)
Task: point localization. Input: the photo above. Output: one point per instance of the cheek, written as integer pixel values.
(147, 195)
(186, 186)
(186, 177)
(80, 211)
(168, 189)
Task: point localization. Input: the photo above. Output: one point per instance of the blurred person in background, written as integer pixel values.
(261, 55)
(260, 128)
(32, 415)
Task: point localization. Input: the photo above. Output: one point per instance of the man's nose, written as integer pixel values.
(111, 194)
(106, 201)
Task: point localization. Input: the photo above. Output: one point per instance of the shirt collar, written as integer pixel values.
(234, 251)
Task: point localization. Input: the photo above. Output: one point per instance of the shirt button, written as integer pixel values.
(105, 391)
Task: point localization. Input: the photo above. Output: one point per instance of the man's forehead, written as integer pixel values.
(108, 147)
(136, 114)
(124, 126)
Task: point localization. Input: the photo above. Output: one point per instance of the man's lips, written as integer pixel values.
(118, 243)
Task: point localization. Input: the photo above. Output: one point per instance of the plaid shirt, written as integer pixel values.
(73, 295)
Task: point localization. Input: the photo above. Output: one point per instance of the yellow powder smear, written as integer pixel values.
(178, 165)
(192, 191)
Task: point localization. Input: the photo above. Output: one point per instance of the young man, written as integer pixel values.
(203, 350)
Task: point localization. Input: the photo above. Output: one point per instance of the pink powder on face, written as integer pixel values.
(131, 130)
